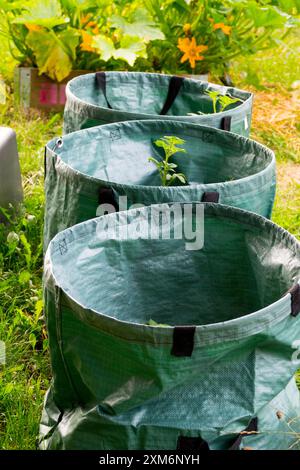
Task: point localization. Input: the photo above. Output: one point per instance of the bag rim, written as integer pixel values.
(71, 96)
(227, 331)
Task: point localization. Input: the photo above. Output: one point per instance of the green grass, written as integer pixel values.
(287, 209)
(26, 375)
(277, 71)
(279, 67)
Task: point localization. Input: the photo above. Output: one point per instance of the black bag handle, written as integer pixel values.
(210, 196)
(107, 196)
(174, 86)
(45, 162)
(101, 82)
(183, 341)
(295, 299)
(226, 123)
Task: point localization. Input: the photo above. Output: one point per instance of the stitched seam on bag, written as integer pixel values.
(227, 336)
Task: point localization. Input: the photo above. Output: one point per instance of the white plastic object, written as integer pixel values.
(11, 191)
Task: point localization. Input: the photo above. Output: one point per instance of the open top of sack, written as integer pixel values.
(116, 266)
(147, 93)
(104, 97)
(119, 153)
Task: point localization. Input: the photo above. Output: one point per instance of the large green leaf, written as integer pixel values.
(130, 48)
(142, 26)
(267, 16)
(54, 52)
(104, 45)
(11, 6)
(82, 5)
(69, 38)
(46, 13)
(291, 6)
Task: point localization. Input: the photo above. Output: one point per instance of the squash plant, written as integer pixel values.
(203, 35)
(168, 170)
(60, 35)
(173, 36)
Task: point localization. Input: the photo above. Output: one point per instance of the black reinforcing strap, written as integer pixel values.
(174, 87)
(226, 123)
(106, 196)
(251, 428)
(210, 196)
(183, 341)
(101, 82)
(295, 300)
(45, 163)
(191, 444)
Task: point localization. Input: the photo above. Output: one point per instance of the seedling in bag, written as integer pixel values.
(167, 169)
(220, 102)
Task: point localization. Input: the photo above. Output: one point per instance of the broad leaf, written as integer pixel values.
(153, 160)
(79, 4)
(11, 6)
(141, 26)
(54, 53)
(131, 48)
(104, 45)
(289, 5)
(181, 177)
(267, 16)
(46, 13)
(72, 6)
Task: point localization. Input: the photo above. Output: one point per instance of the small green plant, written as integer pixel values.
(167, 169)
(154, 323)
(220, 102)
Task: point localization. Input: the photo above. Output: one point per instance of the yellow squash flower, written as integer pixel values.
(191, 50)
(224, 27)
(187, 28)
(85, 18)
(90, 24)
(33, 27)
(86, 44)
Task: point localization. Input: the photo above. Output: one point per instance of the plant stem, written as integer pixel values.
(215, 105)
(164, 177)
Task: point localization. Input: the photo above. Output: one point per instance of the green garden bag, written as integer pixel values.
(218, 371)
(98, 166)
(106, 97)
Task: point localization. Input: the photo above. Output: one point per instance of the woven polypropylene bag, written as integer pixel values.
(222, 362)
(102, 98)
(98, 165)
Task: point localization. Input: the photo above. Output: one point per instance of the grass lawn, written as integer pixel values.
(26, 375)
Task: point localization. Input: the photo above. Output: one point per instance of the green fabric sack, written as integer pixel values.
(102, 98)
(224, 358)
(98, 165)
